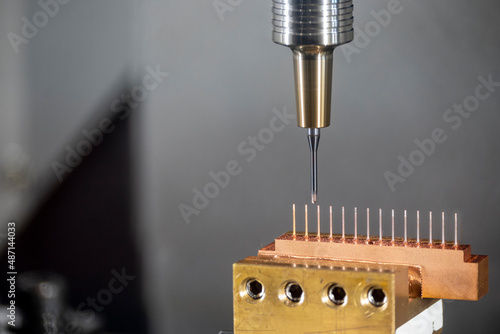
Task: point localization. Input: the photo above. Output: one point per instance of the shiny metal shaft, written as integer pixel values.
(313, 138)
(312, 29)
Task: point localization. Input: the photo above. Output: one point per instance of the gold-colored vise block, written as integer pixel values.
(445, 271)
(293, 295)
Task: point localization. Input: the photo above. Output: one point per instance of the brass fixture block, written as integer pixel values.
(315, 312)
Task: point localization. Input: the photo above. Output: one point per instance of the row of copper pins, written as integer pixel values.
(443, 241)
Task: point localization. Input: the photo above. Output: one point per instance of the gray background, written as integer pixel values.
(225, 78)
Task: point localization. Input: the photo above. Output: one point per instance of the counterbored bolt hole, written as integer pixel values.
(255, 289)
(294, 292)
(377, 297)
(337, 294)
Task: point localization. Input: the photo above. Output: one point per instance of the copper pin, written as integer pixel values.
(355, 223)
(430, 227)
(306, 234)
(294, 232)
(367, 224)
(456, 230)
(319, 225)
(343, 224)
(418, 227)
(442, 228)
(406, 229)
(392, 213)
(331, 222)
(380, 225)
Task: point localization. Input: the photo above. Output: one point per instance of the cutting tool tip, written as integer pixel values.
(313, 138)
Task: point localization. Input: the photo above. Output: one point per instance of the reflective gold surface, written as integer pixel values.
(313, 85)
(315, 313)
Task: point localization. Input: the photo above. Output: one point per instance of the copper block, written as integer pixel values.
(442, 271)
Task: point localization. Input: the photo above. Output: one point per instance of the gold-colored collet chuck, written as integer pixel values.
(312, 29)
(313, 85)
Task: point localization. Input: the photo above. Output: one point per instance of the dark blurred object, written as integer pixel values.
(84, 230)
(43, 305)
